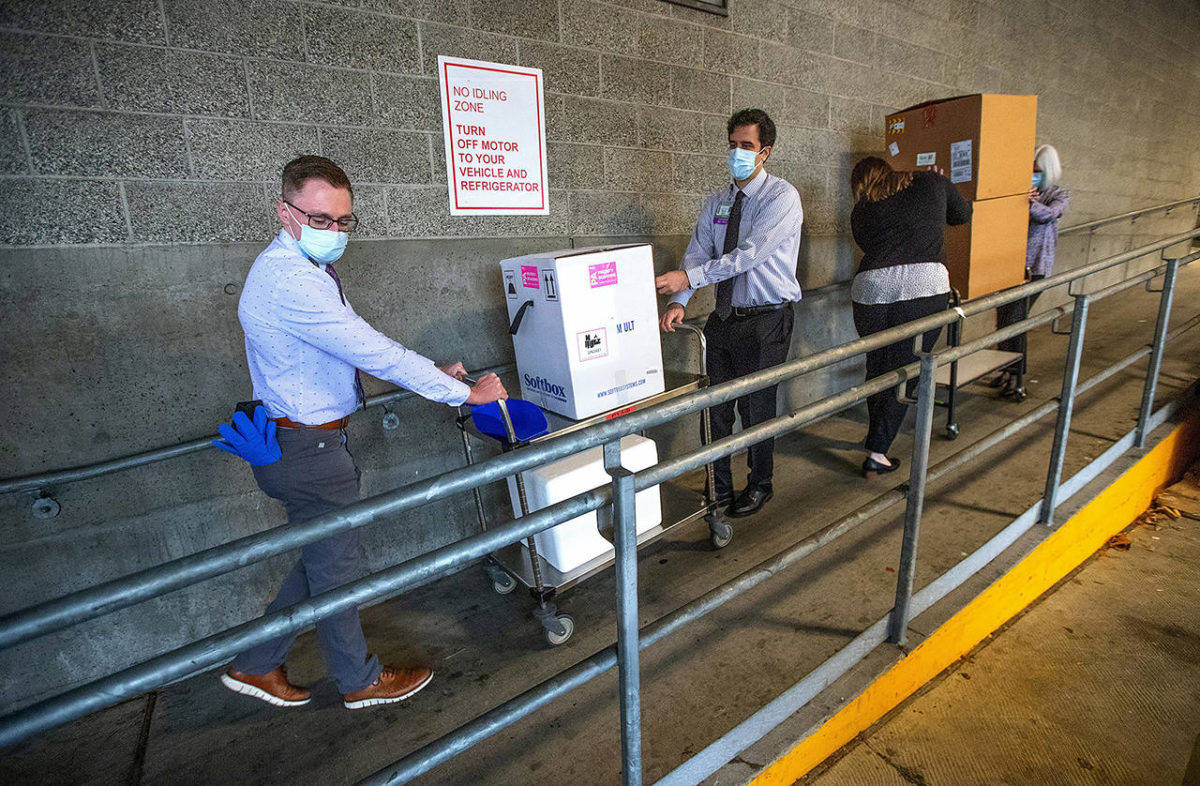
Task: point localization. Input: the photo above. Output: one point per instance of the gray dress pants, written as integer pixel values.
(316, 475)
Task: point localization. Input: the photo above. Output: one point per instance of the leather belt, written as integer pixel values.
(333, 425)
(749, 311)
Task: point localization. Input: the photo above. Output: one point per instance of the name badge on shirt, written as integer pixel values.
(722, 215)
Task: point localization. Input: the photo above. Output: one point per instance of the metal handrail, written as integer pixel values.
(217, 648)
(129, 590)
(126, 591)
(86, 471)
(43, 480)
(446, 747)
(1132, 214)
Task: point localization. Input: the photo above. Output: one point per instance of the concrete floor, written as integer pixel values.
(1099, 682)
(698, 683)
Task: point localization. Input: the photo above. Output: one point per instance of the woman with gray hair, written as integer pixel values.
(1047, 201)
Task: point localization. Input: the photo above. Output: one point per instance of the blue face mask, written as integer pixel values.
(1038, 179)
(741, 163)
(320, 245)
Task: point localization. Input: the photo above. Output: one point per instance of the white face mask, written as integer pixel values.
(320, 245)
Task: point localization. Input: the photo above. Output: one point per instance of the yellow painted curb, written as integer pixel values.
(1085, 532)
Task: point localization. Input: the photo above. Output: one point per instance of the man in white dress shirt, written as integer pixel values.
(746, 244)
(305, 347)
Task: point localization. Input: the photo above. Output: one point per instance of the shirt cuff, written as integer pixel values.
(458, 392)
(683, 297)
(696, 277)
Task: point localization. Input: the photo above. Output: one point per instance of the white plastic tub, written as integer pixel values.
(578, 541)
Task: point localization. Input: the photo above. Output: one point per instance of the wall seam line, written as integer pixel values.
(96, 75)
(421, 49)
(23, 132)
(125, 209)
(162, 12)
(249, 89)
(187, 146)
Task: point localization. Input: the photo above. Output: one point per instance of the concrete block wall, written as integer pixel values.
(140, 144)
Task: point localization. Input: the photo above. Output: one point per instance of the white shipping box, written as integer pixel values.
(588, 338)
(578, 541)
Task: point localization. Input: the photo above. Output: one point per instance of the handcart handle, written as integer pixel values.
(508, 424)
(699, 334)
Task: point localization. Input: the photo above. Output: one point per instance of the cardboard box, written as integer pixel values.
(588, 338)
(983, 142)
(988, 253)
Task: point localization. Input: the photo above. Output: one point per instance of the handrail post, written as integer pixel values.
(1156, 352)
(918, 472)
(1066, 405)
(628, 651)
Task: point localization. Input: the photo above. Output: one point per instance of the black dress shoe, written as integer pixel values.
(871, 467)
(749, 502)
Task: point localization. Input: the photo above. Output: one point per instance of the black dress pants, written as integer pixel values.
(736, 347)
(885, 413)
(1010, 314)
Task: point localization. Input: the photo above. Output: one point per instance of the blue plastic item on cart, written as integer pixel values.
(529, 422)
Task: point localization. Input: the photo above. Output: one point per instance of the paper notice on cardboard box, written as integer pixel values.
(926, 159)
(894, 149)
(960, 161)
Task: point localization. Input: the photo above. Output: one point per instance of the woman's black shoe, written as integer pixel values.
(1014, 394)
(1010, 389)
(871, 467)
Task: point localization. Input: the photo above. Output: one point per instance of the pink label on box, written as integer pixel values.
(602, 275)
(529, 277)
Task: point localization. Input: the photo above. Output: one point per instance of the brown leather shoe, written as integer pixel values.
(393, 684)
(272, 687)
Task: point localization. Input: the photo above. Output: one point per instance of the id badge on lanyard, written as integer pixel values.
(722, 214)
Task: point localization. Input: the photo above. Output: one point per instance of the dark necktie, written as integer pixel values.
(358, 388)
(725, 288)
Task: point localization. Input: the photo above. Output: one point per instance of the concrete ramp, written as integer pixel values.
(1097, 682)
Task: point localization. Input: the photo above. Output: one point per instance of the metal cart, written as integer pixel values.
(959, 373)
(521, 564)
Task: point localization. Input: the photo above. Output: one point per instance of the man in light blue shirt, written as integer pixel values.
(305, 346)
(746, 243)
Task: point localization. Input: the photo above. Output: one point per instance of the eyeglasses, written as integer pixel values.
(322, 221)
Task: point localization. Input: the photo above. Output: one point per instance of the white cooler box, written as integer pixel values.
(578, 541)
(587, 341)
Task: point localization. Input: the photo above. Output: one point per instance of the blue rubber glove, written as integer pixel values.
(253, 441)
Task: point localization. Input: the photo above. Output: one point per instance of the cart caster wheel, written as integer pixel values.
(504, 585)
(720, 534)
(568, 623)
(1020, 395)
(952, 432)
